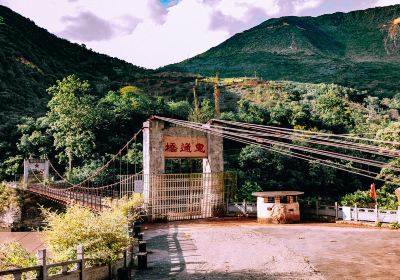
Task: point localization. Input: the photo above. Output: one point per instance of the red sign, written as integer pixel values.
(185, 147)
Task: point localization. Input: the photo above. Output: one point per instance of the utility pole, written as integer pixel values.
(196, 101)
(217, 95)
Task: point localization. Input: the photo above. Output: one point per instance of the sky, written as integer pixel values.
(154, 33)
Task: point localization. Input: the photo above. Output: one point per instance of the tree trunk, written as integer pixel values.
(69, 164)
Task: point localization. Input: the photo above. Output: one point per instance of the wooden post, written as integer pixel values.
(336, 211)
(355, 213)
(245, 206)
(142, 260)
(125, 258)
(132, 229)
(317, 208)
(132, 253)
(142, 246)
(41, 260)
(137, 229)
(81, 264)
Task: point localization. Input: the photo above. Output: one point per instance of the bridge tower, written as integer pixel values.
(41, 165)
(181, 196)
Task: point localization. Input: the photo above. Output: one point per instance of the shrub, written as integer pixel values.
(8, 198)
(13, 255)
(246, 190)
(103, 235)
(359, 197)
(386, 199)
(394, 225)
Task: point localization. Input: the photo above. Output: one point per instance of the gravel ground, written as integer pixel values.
(243, 249)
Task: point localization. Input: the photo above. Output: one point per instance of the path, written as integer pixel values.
(245, 249)
(31, 241)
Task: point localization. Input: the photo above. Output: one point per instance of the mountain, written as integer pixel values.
(32, 59)
(356, 49)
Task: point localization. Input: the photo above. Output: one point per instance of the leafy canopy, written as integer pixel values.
(73, 117)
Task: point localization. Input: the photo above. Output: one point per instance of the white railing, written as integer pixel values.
(348, 213)
(242, 208)
(335, 211)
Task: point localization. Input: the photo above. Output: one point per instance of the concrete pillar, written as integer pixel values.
(153, 147)
(26, 172)
(376, 214)
(346, 210)
(215, 161)
(355, 212)
(46, 172)
(153, 157)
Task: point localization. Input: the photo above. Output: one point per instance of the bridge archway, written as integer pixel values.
(183, 195)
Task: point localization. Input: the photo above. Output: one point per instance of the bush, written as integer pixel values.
(103, 235)
(8, 198)
(359, 197)
(13, 255)
(246, 190)
(394, 225)
(386, 199)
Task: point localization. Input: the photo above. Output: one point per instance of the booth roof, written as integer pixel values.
(276, 193)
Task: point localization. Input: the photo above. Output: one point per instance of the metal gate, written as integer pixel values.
(175, 197)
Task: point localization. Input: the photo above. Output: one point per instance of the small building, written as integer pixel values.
(278, 206)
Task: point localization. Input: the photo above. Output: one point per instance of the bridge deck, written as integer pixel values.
(66, 196)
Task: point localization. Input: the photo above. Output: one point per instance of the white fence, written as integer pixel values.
(336, 211)
(355, 213)
(243, 208)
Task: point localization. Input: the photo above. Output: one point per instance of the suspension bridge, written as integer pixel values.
(196, 195)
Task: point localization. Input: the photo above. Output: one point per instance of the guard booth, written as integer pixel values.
(180, 196)
(278, 206)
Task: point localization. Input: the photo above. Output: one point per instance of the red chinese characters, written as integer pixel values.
(200, 148)
(171, 147)
(186, 147)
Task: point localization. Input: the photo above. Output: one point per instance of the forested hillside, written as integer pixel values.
(60, 100)
(32, 59)
(357, 49)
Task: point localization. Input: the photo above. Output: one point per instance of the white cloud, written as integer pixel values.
(302, 5)
(387, 2)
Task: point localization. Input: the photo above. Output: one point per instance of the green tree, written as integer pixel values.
(73, 117)
(204, 114)
(391, 133)
(35, 141)
(252, 113)
(332, 111)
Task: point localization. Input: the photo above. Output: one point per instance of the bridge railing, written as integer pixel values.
(172, 196)
(72, 269)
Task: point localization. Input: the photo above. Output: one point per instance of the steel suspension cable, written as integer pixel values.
(310, 134)
(325, 143)
(314, 132)
(299, 156)
(222, 134)
(307, 149)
